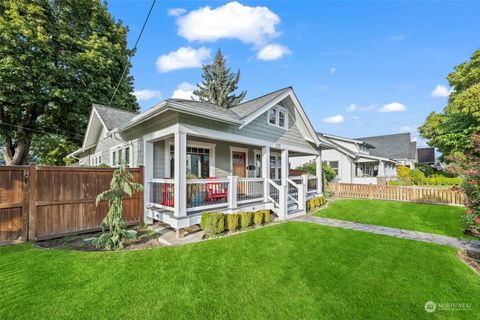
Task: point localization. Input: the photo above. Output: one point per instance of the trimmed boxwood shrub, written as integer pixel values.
(245, 219)
(266, 216)
(212, 223)
(316, 202)
(231, 221)
(258, 217)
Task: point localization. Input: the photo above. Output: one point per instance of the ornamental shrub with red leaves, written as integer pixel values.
(467, 165)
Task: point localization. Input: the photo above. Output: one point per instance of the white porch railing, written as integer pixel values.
(274, 194)
(209, 194)
(250, 189)
(162, 193)
(312, 185)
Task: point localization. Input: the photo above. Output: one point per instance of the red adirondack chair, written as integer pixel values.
(167, 194)
(215, 191)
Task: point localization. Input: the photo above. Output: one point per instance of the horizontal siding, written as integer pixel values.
(258, 128)
(222, 156)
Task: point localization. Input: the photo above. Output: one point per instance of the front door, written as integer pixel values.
(239, 164)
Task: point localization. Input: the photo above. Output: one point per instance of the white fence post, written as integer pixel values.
(232, 192)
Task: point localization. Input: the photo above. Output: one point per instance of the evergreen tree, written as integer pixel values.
(219, 84)
(57, 57)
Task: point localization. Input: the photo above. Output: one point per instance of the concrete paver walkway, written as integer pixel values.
(463, 244)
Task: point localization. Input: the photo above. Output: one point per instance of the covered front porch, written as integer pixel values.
(188, 173)
(374, 170)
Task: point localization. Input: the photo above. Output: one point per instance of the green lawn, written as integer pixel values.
(289, 271)
(439, 219)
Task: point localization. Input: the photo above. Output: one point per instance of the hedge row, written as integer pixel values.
(214, 223)
(315, 202)
(430, 181)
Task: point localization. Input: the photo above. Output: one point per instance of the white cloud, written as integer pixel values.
(176, 12)
(255, 25)
(272, 52)
(393, 107)
(334, 119)
(184, 57)
(184, 91)
(441, 91)
(351, 108)
(144, 95)
(356, 107)
(332, 70)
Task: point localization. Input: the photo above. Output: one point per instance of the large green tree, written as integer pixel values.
(450, 131)
(57, 57)
(219, 84)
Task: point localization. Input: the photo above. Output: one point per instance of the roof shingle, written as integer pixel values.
(113, 117)
(394, 146)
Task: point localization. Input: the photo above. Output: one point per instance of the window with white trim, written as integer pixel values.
(198, 161)
(119, 154)
(96, 159)
(258, 164)
(278, 117)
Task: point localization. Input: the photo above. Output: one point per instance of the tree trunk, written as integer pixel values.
(16, 153)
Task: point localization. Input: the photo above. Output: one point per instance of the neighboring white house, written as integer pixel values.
(353, 162)
(199, 157)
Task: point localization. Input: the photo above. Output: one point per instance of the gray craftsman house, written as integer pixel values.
(200, 157)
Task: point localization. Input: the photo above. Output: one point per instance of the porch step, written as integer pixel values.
(295, 213)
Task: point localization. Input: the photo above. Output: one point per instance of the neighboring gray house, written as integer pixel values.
(200, 157)
(398, 147)
(353, 160)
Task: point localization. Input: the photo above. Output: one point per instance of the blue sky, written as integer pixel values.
(347, 61)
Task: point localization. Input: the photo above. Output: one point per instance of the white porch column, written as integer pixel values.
(147, 175)
(318, 162)
(180, 193)
(266, 172)
(381, 169)
(283, 198)
(232, 192)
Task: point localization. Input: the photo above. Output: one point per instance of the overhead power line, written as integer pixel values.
(42, 131)
(134, 50)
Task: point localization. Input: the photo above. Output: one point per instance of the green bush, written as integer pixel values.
(266, 216)
(316, 202)
(245, 219)
(212, 223)
(231, 221)
(257, 218)
(416, 176)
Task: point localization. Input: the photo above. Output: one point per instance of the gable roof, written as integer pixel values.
(113, 117)
(246, 108)
(240, 115)
(206, 107)
(394, 146)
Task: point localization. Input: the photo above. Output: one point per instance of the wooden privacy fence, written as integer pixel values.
(399, 193)
(38, 203)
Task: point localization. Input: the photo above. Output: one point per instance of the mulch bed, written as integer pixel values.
(146, 238)
(472, 259)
